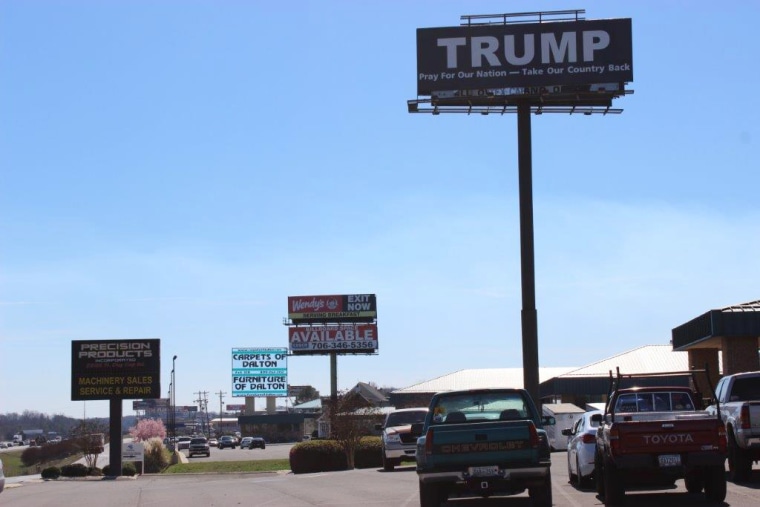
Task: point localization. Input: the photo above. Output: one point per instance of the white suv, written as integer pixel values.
(398, 442)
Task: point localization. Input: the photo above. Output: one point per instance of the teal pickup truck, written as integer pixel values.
(483, 442)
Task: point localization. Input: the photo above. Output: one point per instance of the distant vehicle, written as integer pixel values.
(227, 441)
(183, 443)
(581, 449)
(398, 443)
(566, 414)
(198, 445)
(2, 477)
(213, 442)
(252, 443)
(738, 397)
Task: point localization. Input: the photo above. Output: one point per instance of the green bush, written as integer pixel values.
(51, 473)
(128, 469)
(74, 470)
(369, 453)
(95, 472)
(317, 456)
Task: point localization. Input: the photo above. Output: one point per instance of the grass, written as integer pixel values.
(13, 467)
(222, 467)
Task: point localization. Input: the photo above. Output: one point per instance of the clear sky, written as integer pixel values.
(176, 169)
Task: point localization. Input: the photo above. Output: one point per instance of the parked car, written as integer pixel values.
(183, 442)
(198, 445)
(581, 449)
(252, 443)
(227, 441)
(398, 443)
(213, 442)
(2, 477)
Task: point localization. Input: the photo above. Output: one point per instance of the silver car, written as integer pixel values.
(581, 446)
(398, 442)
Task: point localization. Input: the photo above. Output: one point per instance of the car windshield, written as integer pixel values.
(404, 418)
(479, 406)
(198, 441)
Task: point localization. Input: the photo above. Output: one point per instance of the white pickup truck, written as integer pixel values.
(738, 398)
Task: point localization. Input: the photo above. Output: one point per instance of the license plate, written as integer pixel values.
(669, 460)
(488, 471)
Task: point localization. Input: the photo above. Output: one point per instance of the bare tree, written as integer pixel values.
(90, 437)
(351, 418)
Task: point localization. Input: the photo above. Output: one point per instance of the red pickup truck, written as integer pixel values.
(652, 436)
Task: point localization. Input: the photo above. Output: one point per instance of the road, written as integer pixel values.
(366, 487)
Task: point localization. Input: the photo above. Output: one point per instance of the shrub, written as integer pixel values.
(317, 456)
(128, 469)
(51, 473)
(156, 456)
(95, 472)
(369, 453)
(107, 470)
(74, 470)
(31, 456)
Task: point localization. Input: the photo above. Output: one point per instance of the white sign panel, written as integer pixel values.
(260, 372)
(132, 451)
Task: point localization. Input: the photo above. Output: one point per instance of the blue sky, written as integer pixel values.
(177, 169)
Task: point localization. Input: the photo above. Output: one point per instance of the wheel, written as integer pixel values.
(542, 495)
(739, 466)
(388, 464)
(430, 495)
(694, 481)
(571, 477)
(263, 446)
(614, 491)
(715, 484)
(599, 474)
(583, 482)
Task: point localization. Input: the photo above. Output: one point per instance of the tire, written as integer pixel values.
(571, 477)
(739, 466)
(694, 481)
(263, 446)
(542, 495)
(715, 484)
(430, 495)
(388, 464)
(614, 491)
(583, 482)
(599, 474)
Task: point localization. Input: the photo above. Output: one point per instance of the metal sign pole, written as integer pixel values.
(527, 265)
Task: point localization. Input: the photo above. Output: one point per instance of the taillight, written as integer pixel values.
(745, 422)
(614, 439)
(533, 435)
(588, 438)
(429, 442)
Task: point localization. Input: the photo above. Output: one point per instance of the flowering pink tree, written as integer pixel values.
(148, 428)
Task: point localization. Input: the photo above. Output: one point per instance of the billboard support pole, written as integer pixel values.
(114, 450)
(333, 387)
(529, 316)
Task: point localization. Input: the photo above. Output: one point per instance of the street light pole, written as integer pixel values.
(174, 402)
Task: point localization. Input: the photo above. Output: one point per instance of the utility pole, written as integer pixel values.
(221, 413)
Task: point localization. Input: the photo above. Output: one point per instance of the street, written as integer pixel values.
(349, 488)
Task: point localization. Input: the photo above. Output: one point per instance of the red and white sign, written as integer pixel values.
(346, 338)
(332, 309)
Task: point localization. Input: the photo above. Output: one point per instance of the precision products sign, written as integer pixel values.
(260, 372)
(115, 369)
(524, 54)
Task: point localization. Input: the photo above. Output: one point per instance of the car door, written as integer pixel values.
(576, 439)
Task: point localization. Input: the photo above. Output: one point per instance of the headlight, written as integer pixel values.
(392, 438)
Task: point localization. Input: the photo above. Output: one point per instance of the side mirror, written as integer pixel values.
(417, 428)
(548, 420)
(597, 418)
(567, 432)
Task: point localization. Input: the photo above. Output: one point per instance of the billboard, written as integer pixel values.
(259, 372)
(342, 338)
(524, 55)
(115, 369)
(161, 403)
(332, 309)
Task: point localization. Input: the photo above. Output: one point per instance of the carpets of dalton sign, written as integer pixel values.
(524, 54)
(259, 372)
(115, 369)
(333, 309)
(345, 338)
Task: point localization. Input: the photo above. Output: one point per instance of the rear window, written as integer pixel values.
(745, 389)
(655, 402)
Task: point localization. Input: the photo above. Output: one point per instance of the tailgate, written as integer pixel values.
(487, 443)
(754, 416)
(673, 436)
